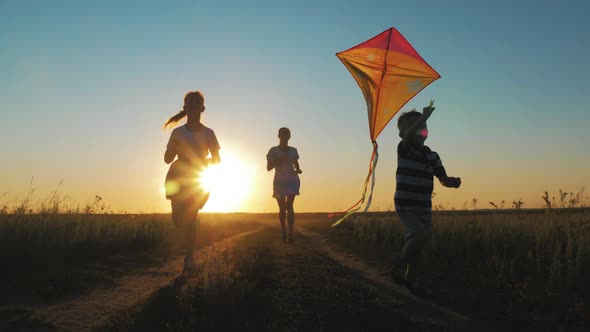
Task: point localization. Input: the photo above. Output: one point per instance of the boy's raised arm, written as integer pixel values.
(426, 112)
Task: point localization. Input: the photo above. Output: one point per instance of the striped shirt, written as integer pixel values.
(416, 166)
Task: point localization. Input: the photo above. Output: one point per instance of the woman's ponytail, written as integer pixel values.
(180, 115)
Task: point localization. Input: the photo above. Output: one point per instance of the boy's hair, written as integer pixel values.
(406, 120)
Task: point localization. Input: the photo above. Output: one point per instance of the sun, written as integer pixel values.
(229, 183)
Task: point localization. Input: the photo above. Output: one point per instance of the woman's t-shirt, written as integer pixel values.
(193, 146)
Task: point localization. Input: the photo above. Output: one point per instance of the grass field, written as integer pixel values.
(515, 265)
(46, 254)
(526, 268)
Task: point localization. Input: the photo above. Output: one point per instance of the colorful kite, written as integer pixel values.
(389, 72)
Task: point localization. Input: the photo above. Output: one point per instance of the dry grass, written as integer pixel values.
(50, 236)
(533, 264)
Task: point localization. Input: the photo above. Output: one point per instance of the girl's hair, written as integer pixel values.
(180, 115)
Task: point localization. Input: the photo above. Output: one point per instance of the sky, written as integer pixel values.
(85, 88)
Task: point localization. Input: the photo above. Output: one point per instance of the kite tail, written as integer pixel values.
(370, 176)
(375, 159)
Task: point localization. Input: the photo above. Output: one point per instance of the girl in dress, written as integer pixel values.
(284, 159)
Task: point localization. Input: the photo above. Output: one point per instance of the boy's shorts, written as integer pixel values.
(416, 220)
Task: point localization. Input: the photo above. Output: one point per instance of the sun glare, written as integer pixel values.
(229, 184)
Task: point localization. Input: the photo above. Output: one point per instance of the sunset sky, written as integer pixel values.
(85, 88)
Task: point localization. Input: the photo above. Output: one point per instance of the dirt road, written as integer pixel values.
(252, 281)
(264, 284)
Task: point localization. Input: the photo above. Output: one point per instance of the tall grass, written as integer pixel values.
(44, 241)
(49, 236)
(538, 261)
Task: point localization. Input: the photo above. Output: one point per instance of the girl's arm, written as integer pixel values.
(272, 161)
(297, 168)
(270, 164)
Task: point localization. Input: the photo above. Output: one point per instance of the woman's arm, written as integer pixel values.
(273, 163)
(171, 152)
(169, 155)
(215, 159)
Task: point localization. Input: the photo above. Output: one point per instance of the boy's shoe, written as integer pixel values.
(190, 265)
(412, 286)
(398, 279)
(416, 289)
(290, 239)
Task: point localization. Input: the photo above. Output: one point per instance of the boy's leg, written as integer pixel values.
(420, 239)
(417, 234)
(411, 253)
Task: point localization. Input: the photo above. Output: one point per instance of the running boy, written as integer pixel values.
(416, 167)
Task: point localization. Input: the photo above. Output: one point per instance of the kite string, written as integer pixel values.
(371, 175)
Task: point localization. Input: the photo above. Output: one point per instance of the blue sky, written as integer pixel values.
(86, 86)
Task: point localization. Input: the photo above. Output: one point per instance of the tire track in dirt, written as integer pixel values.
(425, 311)
(90, 311)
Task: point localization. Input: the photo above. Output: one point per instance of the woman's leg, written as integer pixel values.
(191, 228)
(183, 216)
(290, 214)
(282, 215)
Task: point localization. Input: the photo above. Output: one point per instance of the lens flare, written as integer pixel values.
(229, 183)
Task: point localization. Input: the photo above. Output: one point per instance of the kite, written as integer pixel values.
(389, 72)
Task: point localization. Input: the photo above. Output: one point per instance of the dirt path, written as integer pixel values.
(253, 281)
(264, 284)
(94, 309)
(435, 314)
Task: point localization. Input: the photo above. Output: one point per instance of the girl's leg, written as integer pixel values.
(290, 214)
(282, 215)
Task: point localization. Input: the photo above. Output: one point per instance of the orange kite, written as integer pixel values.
(389, 72)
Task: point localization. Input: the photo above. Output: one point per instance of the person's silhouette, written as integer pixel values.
(192, 143)
(416, 167)
(285, 160)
